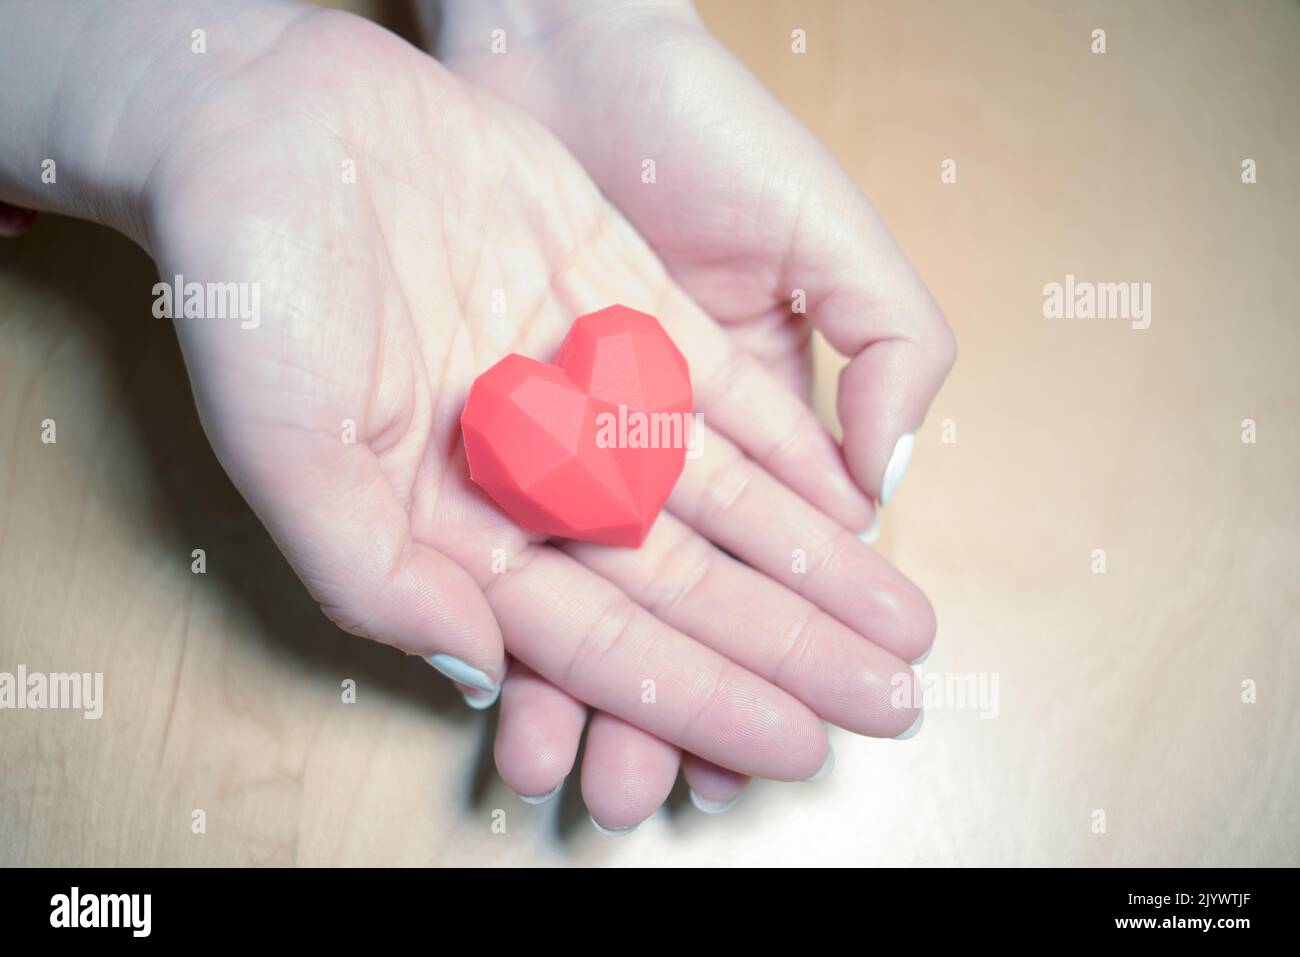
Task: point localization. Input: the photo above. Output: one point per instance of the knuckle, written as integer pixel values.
(726, 488)
(944, 347)
(727, 376)
(610, 628)
(823, 557)
(679, 574)
(795, 643)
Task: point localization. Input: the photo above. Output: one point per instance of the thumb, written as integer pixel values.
(334, 514)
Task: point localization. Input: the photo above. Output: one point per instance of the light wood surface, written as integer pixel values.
(1119, 692)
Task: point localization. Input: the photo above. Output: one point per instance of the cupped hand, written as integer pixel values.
(752, 217)
(386, 212)
(746, 208)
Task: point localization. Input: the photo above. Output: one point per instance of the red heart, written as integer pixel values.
(589, 447)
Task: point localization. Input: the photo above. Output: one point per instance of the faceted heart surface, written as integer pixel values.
(590, 447)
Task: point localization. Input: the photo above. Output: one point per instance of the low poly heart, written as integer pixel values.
(590, 447)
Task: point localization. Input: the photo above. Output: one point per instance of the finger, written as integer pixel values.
(744, 401)
(601, 647)
(537, 734)
(332, 511)
(871, 306)
(737, 395)
(713, 789)
(731, 501)
(857, 287)
(626, 773)
(756, 622)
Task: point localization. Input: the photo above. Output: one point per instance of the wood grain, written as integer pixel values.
(1119, 692)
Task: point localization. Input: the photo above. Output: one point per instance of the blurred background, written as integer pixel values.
(1106, 540)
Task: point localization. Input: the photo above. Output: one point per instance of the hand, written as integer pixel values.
(375, 309)
(381, 312)
(747, 206)
(750, 208)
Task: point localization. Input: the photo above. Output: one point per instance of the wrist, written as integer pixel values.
(94, 93)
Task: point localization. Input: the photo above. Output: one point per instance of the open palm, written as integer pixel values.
(405, 231)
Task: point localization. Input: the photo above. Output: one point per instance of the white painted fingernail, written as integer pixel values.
(712, 807)
(872, 532)
(480, 700)
(897, 467)
(826, 767)
(614, 831)
(915, 727)
(541, 798)
(462, 673)
(925, 654)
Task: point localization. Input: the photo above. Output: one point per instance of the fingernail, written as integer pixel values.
(712, 807)
(925, 654)
(541, 798)
(464, 674)
(479, 700)
(614, 831)
(872, 532)
(826, 767)
(897, 467)
(912, 730)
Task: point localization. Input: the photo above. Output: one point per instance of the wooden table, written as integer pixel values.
(1119, 693)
